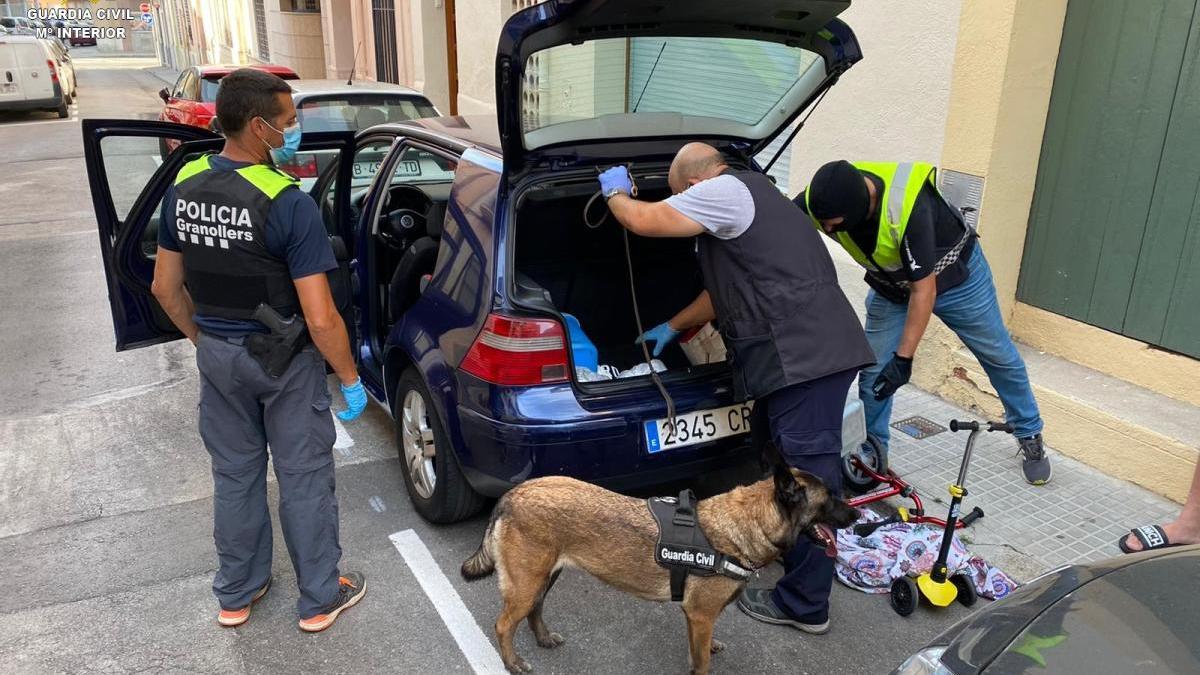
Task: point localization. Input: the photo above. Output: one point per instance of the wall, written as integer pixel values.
(337, 31)
(1003, 73)
(892, 105)
(296, 40)
(478, 25)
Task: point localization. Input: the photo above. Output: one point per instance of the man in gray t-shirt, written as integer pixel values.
(795, 343)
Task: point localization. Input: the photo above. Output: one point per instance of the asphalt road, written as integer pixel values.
(105, 495)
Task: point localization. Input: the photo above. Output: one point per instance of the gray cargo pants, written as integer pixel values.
(242, 410)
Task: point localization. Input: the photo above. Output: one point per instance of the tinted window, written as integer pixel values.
(208, 88)
(353, 112)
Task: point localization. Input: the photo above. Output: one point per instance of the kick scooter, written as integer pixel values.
(938, 586)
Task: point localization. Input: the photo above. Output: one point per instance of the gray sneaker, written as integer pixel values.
(1035, 464)
(757, 603)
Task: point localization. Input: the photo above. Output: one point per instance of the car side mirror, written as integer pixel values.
(164, 95)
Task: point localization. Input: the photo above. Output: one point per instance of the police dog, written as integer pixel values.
(549, 523)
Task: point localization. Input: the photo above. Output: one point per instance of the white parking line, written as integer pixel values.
(470, 638)
(343, 439)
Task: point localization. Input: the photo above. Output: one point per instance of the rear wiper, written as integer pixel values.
(652, 69)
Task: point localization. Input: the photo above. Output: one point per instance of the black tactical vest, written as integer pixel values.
(783, 317)
(220, 221)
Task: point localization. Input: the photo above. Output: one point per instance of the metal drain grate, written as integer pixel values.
(918, 427)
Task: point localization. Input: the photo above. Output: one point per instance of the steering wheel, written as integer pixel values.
(399, 225)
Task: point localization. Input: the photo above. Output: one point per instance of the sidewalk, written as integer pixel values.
(1026, 530)
(164, 73)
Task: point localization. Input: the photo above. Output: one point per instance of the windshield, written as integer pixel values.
(352, 112)
(681, 85)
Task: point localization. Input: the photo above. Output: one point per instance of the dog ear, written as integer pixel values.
(789, 492)
(770, 458)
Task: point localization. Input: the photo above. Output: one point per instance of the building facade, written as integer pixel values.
(285, 32)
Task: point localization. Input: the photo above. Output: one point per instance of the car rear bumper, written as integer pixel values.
(609, 451)
(32, 104)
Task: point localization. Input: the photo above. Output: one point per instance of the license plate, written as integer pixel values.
(365, 169)
(697, 427)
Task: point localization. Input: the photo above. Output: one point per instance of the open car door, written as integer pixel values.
(129, 176)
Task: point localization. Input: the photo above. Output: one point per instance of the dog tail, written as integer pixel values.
(482, 564)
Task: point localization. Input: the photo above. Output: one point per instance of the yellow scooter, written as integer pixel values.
(938, 586)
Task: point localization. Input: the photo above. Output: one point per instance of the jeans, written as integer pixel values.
(970, 310)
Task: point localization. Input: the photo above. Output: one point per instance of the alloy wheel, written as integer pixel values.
(418, 442)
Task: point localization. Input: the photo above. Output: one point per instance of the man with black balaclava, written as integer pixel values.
(921, 259)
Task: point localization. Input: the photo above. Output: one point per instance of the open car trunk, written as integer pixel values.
(563, 266)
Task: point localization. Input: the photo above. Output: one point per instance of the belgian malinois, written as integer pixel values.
(549, 523)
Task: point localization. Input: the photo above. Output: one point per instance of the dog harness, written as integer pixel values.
(682, 547)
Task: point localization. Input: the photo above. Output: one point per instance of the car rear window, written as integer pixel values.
(208, 85)
(358, 111)
(725, 86)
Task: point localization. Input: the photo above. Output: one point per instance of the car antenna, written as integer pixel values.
(652, 69)
(353, 66)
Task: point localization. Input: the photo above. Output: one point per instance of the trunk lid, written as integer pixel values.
(577, 72)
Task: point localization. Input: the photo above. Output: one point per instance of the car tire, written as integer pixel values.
(874, 455)
(967, 595)
(905, 596)
(62, 109)
(444, 496)
(69, 99)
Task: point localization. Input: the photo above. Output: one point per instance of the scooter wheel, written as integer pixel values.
(966, 589)
(905, 596)
(874, 455)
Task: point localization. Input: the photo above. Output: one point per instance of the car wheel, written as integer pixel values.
(69, 99)
(62, 109)
(905, 596)
(967, 595)
(874, 455)
(436, 485)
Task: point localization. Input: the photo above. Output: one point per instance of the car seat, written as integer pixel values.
(369, 117)
(417, 261)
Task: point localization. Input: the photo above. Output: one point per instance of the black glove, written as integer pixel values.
(893, 376)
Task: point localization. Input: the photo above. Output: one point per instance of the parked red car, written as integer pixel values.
(192, 99)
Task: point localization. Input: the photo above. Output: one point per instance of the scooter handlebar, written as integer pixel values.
(957, 425)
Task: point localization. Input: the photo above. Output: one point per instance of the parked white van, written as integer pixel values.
(29, 76)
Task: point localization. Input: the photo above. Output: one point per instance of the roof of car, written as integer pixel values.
(305, 86)
(225, 69)
(481, 131)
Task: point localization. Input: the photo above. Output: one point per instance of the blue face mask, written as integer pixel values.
(291, 143)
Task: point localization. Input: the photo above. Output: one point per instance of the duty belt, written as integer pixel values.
(682, 547)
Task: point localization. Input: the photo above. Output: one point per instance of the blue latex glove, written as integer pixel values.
(356, 401)
(616, 178)
(661, 335)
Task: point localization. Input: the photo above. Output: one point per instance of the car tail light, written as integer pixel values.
(53, 71)
(521, 352)
(301, 168)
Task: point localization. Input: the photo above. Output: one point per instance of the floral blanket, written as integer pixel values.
(871, 563)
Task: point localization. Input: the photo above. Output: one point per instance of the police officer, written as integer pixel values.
(921, 259)
(793, 339)
(237, 233)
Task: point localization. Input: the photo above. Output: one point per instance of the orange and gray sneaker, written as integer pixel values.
(236, 617)
(352, 586)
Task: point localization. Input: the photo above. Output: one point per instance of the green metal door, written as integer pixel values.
(1114, 231)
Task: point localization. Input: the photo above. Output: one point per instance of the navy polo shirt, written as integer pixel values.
(295, 233)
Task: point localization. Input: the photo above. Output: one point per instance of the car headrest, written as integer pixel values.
(369, 117)
(434, 217)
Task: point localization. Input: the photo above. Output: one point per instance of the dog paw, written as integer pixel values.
(551, 640)
(519, 665)
(717, 646)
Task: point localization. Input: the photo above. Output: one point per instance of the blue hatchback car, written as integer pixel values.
(465, 241)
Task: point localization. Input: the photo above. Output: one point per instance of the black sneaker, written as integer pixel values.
(1035, 464)
(353, 586)
(757, 603)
